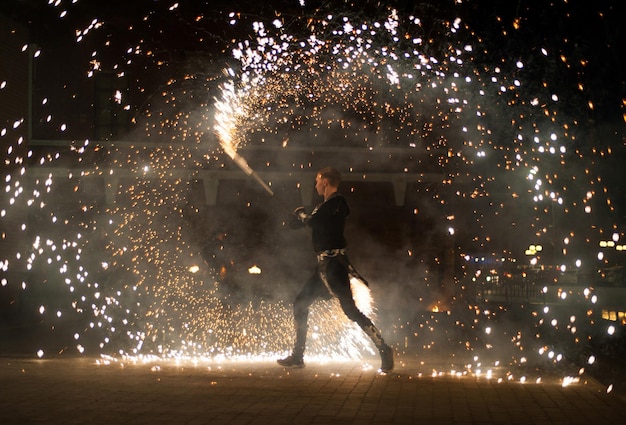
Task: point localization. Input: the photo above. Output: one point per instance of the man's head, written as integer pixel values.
(327, 181)
(331, 174)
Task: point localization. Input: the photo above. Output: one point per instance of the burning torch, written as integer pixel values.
(243, 164)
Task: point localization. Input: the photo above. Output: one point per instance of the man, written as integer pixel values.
(331, 277)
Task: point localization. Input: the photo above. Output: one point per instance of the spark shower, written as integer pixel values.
(507, 135)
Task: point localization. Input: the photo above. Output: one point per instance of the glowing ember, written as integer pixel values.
(254, 270)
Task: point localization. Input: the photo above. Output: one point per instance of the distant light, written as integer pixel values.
(568, 380)
(194, 269)
(254, 270)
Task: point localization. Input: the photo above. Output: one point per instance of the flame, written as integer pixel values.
(254, 269)
(362, 296)
(438, 307)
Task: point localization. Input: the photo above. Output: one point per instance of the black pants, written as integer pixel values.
(331, 278)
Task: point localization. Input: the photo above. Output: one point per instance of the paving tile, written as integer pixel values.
(80, 391)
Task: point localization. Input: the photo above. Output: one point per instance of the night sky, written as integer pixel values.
(588, 36)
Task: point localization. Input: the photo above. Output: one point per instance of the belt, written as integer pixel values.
(330, 253)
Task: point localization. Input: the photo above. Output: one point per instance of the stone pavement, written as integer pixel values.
(86, 391)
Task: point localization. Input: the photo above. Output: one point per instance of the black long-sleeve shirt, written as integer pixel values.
(327, 222)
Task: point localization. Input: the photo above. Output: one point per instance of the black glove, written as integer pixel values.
(295, 218)
(301, 214)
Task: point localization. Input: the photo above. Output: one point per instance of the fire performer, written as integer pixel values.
(332, 274)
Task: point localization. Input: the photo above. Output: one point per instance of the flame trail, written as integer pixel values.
(243, 164)
(362, 296)
(230, 109)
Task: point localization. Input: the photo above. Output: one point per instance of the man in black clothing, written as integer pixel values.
(332, 275)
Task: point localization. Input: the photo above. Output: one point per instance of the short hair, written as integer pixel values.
(331, 174)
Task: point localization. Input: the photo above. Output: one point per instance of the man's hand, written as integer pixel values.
(298, 218)
(295, 220)
(301, 214)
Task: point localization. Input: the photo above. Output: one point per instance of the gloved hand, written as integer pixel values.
(301, 214)
(298, 218)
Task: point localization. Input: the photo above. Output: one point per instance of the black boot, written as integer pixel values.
(386, 352)
(296, 359)
(293, 361)
(386, 357)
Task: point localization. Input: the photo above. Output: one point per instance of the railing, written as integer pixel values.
(528, 292)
